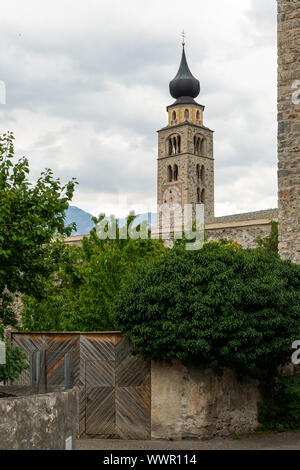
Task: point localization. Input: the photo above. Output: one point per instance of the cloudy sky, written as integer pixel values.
(87, 88)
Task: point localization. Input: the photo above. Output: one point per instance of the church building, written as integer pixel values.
(185, 167)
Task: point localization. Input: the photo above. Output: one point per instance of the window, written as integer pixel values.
(202, 174)
(198, 115)
(179, 144)
(203, 147)
(203, 196)
(174, 116)
(175, 172)
(170, 173)
(200, 196)
(186, 114)
(170, 147)
(198, 172)
(199, 145)
(174, 145)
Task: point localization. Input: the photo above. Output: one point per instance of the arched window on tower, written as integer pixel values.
(174, 116)
(170, 147)
(198, 196)
(186, 114)
(203, 196)
(202, 174)
(198, 172)
(179, 144)
(170, 173)
(203, 147)
(198, 115)
(175, 172)
(199, 145)
(174, 146)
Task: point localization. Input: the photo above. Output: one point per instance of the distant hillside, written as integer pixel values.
(151, 217)
(84, 221)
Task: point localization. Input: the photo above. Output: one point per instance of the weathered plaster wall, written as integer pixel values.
(289, 129)
(38, 422)
(188, 403)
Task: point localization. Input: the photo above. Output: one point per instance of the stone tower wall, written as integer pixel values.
(187, 162)
(289, 128)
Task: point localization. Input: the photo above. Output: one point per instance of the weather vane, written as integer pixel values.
(183, 37)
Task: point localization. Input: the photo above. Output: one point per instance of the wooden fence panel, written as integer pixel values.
(115, 395)
(56, 345)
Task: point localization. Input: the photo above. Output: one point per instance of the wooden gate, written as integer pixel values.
(115, 396)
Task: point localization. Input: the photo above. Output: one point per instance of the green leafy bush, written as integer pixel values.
(15, 363)
(281, 409)
(220, 307)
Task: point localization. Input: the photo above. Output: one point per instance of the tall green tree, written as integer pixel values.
(79, 294)
(30, 216)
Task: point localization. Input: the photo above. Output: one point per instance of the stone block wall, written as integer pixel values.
(244, 233)
(289, 128)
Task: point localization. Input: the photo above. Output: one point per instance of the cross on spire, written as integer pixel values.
(183, 37)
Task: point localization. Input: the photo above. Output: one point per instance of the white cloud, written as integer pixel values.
(87, 87)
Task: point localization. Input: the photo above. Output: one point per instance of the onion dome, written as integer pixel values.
(184, 84)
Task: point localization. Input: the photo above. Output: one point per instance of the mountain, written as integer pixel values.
(151, 218)
(84, 221)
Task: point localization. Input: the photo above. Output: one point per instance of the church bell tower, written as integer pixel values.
(185, 173)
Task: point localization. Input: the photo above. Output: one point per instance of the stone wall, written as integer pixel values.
(188, 403)
(38, 422)
(256, 215)
(289, 128)
(244, 232)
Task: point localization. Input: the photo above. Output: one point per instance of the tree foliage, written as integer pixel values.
(270, 243)
(221, 306)
(15, 363)
(79, 294)
(281, 409)
(30, 216)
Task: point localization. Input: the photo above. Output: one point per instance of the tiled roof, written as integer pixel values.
(264, 214)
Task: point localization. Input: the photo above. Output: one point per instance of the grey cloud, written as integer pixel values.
(88, 86)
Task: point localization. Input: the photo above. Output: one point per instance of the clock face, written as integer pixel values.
(171, 195)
